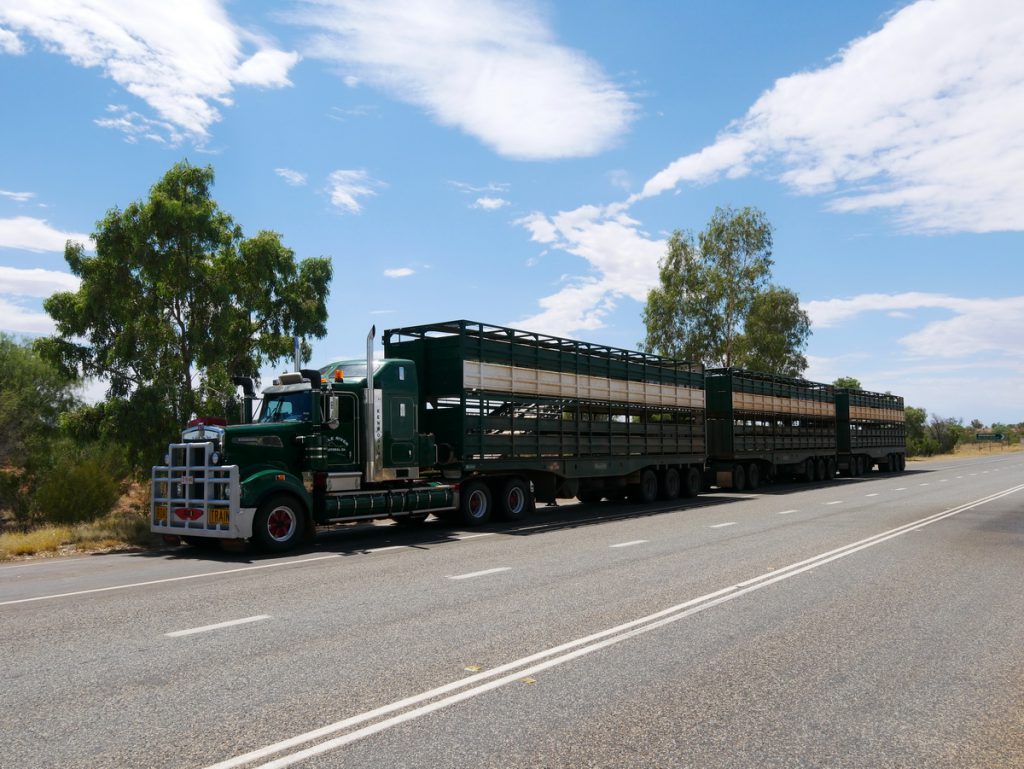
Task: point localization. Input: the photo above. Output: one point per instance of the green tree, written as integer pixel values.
(177, 301)
(715, 302)
(919, 443)
(849, 382)
(33, 396)
(946, 433)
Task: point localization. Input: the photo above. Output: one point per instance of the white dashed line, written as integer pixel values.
(481, 573)
(630, 544)
(835, 502)
(787, 512)
(924, 484)
(723, 525)
(218, 626)
(871, 495)
(901, 488)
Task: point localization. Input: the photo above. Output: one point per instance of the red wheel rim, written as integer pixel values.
(281, 523)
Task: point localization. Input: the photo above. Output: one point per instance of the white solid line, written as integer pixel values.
(629, 544)
(872, 495)
(481, 573)
(722, 525)
(218, 626)
(787, 512)
(835, 502)
(580, 647)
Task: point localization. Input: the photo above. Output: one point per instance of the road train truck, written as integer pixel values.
(462, 420)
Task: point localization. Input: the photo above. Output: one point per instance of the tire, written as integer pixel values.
(516, 500)
(647, 490)
(691, 483)
(902, 461)
(809, 471)
(819, 469)
(830, 469)
(670, 484)
(279, 523)
(861, 465)
(753, 476)
(739, 478)
(475, 506)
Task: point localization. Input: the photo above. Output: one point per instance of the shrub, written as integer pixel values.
(79, 483)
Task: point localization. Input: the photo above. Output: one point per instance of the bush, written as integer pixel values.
(79, 484)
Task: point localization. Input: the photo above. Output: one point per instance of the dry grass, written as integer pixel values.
(970, 450)
(126, 527)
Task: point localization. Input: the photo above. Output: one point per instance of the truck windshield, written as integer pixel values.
(289, 407)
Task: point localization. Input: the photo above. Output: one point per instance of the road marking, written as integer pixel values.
(481, 573)
(218, 626)
(959, 477)
(723, 525)
(275, 565)
(901, 488)
(924, 484)
(630, 544)
(419, 705)
(944, 480)
(787, 512)
(835, 502)
(874, 495)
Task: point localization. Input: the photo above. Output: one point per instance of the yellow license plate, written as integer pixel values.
(161, 513)
(219, 516)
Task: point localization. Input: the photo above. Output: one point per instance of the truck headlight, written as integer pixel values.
(167, 459)
(215, 458)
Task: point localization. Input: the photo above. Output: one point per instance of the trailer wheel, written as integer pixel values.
(670, 484)
(809, 470)
(819, 469)
(516, 501)
(278, 524)
(902, 460)
(647, 490)
(830, 469)
(474, 503)
(739, 478)
(753, 476)
(691, 483)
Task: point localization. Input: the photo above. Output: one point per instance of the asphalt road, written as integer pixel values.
(871, 622)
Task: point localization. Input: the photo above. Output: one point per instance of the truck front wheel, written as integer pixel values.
(278, 524)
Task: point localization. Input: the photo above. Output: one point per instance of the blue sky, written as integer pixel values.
(522, 163)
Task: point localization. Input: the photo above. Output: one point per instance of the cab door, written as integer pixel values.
(341, 441)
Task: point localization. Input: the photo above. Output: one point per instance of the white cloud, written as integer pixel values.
(489, 204)
(30, 234)
(489, 67)
(346, 187)
(10, 44)
(933, 133)
(623, 256)
(35, 282)
(489, 187)
(399, 272)
(20, 197)
(16, 319)
(136, 126)
(981, 326)
(294, 178)
(181, 58)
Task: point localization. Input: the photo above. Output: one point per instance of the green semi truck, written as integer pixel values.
(462, 420)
